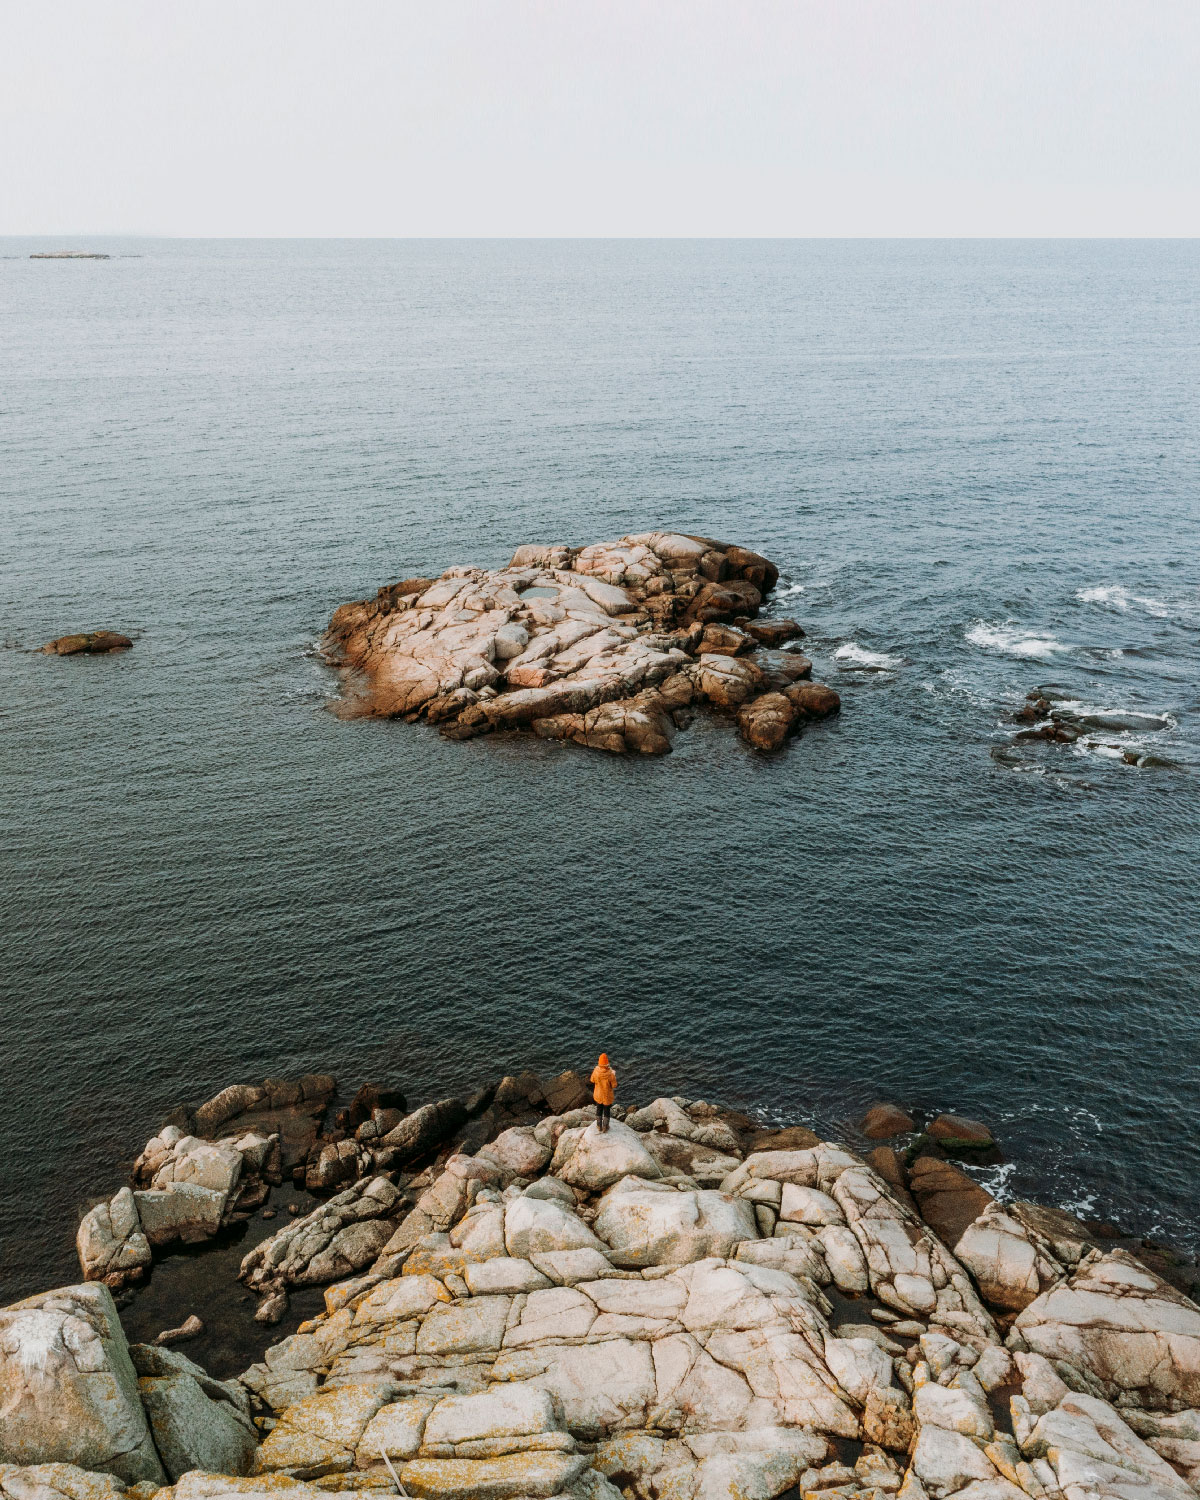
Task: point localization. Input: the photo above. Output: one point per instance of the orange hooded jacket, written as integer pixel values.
(604, 1081)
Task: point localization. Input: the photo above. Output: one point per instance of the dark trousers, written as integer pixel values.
(602, 1111)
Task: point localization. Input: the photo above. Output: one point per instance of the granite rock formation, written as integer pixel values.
(682, 1308)
(608, 645)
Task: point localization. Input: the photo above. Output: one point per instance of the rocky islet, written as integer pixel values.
(87, 643)
(687, 1305)
(610, 646)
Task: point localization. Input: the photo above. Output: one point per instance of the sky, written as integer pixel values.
(600, 117)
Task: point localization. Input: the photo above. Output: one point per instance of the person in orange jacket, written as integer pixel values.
(604, 1086)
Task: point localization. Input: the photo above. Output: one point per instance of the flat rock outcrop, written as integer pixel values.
(608, 646)
(681, 1308)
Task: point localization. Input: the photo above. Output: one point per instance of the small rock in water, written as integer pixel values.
(958, 1130)
(91, 642)
(268, 1213)
(191, 1328)
(271, 1309)
(884, 1120)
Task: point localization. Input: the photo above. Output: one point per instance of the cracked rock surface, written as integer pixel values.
(659, 1312)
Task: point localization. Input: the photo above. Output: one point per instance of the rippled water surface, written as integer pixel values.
(977, 466)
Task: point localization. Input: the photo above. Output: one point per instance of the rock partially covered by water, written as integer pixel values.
(605, 645)
(89, 642)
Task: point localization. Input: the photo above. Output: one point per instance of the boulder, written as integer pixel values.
(181, 1212)
(90, 642)
(201, 1163)
(111, 1245)
(593, 1159)
(813, 700)
(69, 1390)
(371, 1097)
(723, 640)
(948, 1199)
(957, 1132)
(727, 681)
(644, 1227)
(519, 1152)
(805, 1205)
(57, 1482)
(291, 1110)
(947, 1462)
(765, 722)
(197, 1422)
(773, 632)
(536, 1226)
(1090, 1450)
(1122, 1325)
(340, 1237)
(191, 1328)
(570, 1090)
(421, 1132)
(882, 1121)
(1011, 1264)
(858, 1366)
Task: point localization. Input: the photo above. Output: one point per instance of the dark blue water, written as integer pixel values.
(977, 465)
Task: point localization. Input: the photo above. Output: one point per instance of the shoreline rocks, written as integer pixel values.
(608, 646)
(684, 1306)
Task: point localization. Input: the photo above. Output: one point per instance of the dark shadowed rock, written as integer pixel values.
(882, 1121)
(947, 1198)
(890, 1166)
(420, 1133)
(959, 1133)
(814, 700)
(570, 1090)
(773, 632)
(373, 1096)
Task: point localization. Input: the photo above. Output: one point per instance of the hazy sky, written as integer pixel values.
(600, 117)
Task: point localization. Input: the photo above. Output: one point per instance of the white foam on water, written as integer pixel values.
(1137, 720)
(997, 1179)
(788, 590)
(859, 656)
(1117, 596)
(1105, 752)
(1013, 641)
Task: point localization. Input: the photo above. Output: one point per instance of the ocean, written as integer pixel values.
(977, 465)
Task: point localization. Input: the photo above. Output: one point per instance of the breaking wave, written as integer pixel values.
(855, 655)
(1013, 641)
(1116, 596)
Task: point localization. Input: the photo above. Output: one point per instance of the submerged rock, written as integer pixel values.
(604, 645)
